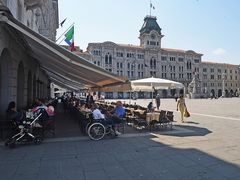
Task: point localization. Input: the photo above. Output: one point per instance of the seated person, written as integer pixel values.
(116, 115)
(96, 112)
(13, 114)
(150, 107)
(50, 110)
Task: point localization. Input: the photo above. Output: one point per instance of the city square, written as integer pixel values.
(206, 146)
(112, 90)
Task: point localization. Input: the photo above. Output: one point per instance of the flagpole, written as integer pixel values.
(64, 32)
(150, 7)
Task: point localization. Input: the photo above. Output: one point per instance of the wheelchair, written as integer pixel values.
(26, 133)
(98, 129)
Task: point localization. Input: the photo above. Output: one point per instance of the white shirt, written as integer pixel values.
(97, 114)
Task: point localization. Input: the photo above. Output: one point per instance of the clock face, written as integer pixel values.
(153, 36)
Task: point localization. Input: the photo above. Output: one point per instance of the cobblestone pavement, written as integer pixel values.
(207, 147)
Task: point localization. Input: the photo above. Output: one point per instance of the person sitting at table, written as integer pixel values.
(12, 113)
(150, 107)
(116, 116)
(97, 115)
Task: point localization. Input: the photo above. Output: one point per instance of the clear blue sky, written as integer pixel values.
(210, 27)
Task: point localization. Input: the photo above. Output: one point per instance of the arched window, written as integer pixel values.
(106, 59)
(151, 62)
(110, 59)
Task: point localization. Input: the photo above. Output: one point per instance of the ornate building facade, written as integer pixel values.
(21, 77)
(150, 59)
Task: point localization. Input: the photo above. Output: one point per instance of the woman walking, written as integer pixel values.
(181, 106)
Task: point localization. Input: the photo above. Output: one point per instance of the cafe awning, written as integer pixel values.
(62, 66)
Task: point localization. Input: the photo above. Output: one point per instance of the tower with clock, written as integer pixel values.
(150, 33)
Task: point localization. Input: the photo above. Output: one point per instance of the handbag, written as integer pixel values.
(186, 113)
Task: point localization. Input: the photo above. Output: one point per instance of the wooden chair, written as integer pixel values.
(170, 115)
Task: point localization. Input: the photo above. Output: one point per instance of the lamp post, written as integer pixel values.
(223, 84)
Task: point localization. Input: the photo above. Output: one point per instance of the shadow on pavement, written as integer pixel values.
(185, 130)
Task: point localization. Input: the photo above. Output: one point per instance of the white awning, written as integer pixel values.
(61, 65)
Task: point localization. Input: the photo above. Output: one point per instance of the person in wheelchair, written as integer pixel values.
(97, 115)
(116, 116)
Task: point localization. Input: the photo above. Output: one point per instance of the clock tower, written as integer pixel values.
(150, 33)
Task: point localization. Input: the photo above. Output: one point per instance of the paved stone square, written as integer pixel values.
(207, 147)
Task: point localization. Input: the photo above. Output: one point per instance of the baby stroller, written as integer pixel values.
(26, 134)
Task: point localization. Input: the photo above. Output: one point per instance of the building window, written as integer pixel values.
(119, 54)
(121, 65)
(153, 43)
(140, 56)
(163, 58)
(189, 65)
(132, 73)
(212, 76)
(96, 52)
(204, 69)
(180, 59)
(130, 55)
(153, 63)
(212, 70)
(172, 58)
(128, 65)
(219, 70)
(196, 60)
(108, 59)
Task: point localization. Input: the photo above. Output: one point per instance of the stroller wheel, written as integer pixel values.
(7, 142)
(11, 144)
(37, 140)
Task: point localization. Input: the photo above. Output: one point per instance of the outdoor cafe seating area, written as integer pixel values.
(136, 117)
(79, 116)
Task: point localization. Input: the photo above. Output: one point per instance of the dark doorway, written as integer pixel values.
(219, 93)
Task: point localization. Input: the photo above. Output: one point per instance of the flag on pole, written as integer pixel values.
(61, 24)
(70, 38)
(151, 6)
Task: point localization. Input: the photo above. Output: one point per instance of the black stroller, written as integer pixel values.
(26, 133)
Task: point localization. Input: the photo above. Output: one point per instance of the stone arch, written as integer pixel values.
(226, 93)
(181, 91)
(213, 92)
(231, 93)
(29, 88)
(173, 92)
(20, 85)
(164, 93)
(219, 93)
(5, 75)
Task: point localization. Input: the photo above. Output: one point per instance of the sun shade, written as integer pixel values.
(62, 66)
